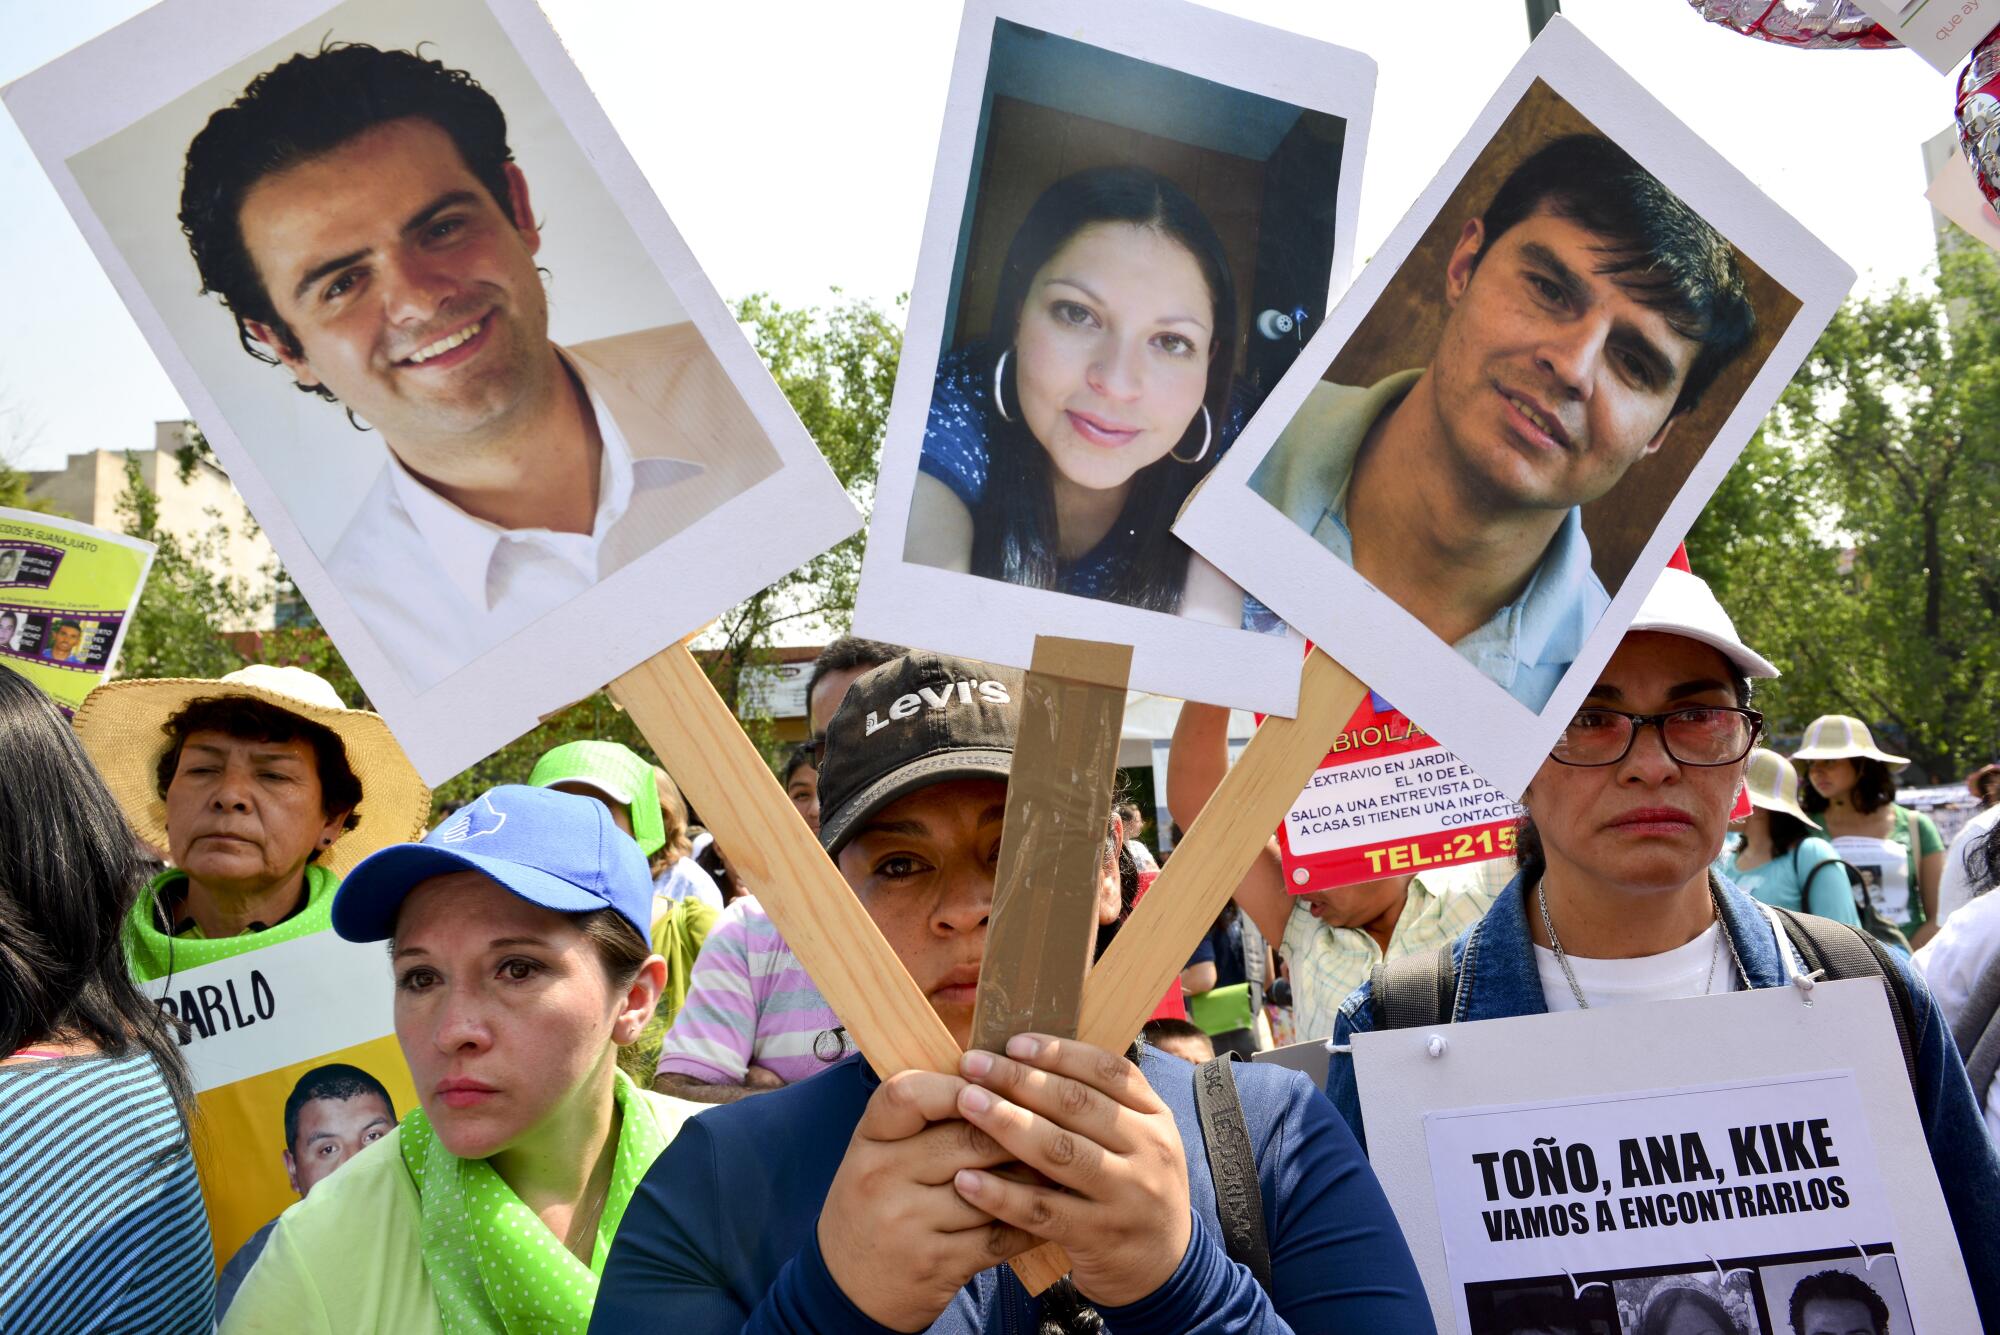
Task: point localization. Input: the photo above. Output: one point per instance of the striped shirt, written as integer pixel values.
(750, 1001)
(1329, 962)
(102, 1227)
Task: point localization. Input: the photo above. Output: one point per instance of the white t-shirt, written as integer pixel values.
(1681, 972)
(1954, 961)
(1955, 888)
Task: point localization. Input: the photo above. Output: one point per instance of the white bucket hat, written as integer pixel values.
(1774, 785)
(1682, 604)
(121, 725)
(1839, 737)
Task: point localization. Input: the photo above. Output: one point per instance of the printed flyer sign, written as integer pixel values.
(1737, 1159)
(1389, 799)
(66, 591)
(1941, 31)
(296, 1070)
(1573, 1201)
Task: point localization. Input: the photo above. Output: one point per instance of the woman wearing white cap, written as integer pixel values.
(1780, 858)
(1615, 901)
(1851, 787)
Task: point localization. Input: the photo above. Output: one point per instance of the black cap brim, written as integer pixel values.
(938, 767)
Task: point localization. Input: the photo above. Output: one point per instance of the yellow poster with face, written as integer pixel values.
(66, 592)
(296, 1070)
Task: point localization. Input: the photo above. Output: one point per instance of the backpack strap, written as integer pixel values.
(1838, 951)
(1232, 1164)
(1416, 990)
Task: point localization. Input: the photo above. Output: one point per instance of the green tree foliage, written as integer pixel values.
(185, 608)
(1854, 541)
(837, 366)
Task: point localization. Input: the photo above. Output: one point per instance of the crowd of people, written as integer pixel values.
(574, 993)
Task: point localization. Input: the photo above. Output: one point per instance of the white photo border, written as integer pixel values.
(128, 73)
(990, 619)
(1280, 564)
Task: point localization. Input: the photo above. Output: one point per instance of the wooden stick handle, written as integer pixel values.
(1154, 944)
(701, 744)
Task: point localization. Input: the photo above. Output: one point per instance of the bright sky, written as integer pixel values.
(793, 140)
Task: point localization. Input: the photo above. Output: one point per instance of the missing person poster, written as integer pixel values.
(66, 592)
(296, 1070)
(1732, 1158)
(1388, 799)
(1552, 1204)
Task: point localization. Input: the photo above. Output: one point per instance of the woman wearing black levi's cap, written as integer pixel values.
(851, 1202)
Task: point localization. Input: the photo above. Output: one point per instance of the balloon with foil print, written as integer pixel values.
(1805, 23)
(1979, 114)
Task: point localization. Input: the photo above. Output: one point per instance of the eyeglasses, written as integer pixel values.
(1706, 735)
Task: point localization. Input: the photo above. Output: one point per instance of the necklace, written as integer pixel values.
(1569, 974)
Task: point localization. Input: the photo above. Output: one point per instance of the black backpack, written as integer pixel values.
(1416, 991)
(1872, 922)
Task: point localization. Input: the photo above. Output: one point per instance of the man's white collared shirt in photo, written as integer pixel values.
(438, 587)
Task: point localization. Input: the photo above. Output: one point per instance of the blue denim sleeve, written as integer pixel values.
(1962, 1151)
(1356, 1017)
(666, 1265)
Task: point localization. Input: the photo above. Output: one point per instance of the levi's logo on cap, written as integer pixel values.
(951, 693)
(481, 818)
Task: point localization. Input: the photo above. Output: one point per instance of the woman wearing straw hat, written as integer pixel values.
(1780, 850)
(262, 787)
(517, 949)
(1851, 787)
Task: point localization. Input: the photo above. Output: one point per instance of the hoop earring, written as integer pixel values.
(1207, 435)
(999, 373)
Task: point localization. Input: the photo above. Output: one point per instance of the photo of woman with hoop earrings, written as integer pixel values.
(1061, 447)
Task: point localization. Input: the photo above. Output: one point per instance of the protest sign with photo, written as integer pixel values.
(1387, 800)
(1139, 214)
(524, 413)
(1465, 484)
(293, 1055)
(1729, 1146)
(66, 593)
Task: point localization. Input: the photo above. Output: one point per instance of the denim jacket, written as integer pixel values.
(1497, 978)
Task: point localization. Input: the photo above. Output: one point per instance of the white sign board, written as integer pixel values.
(1727, 1146)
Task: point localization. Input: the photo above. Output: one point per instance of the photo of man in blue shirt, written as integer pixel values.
(1588, 308)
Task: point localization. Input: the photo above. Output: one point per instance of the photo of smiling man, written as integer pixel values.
(1587, 311)
(361, 214)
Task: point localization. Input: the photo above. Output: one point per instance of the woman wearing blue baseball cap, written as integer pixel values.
(518, 944)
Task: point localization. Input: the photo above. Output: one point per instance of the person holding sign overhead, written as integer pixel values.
(1615, 902)
(1589, 308)
(262, 787)
(851, 1202)
(1060, 450)
(517, 942)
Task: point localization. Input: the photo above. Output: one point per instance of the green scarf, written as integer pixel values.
(493, 1264)
(155, 954)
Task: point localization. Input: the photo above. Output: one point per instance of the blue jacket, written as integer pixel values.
(722, 1233)
(1497, 978)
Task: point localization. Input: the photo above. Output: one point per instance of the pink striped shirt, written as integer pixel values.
(749, 1000)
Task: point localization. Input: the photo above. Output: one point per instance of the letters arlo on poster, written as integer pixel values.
(207, 1010)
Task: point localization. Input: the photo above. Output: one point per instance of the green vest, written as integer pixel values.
(154, 954)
